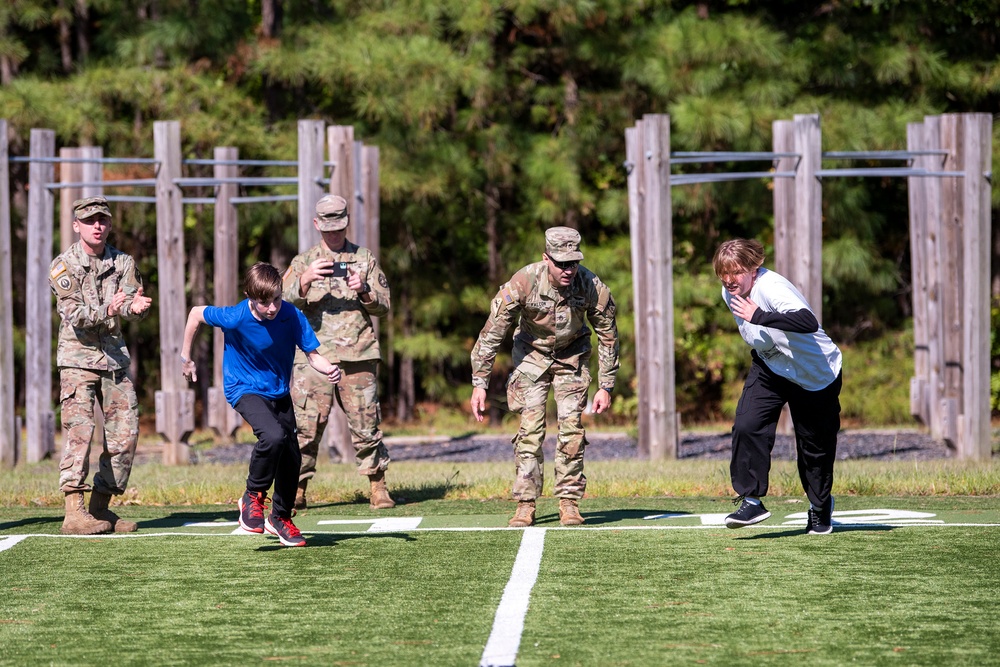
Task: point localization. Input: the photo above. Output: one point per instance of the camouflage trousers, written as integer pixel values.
(79, 387)
(569, 387)
(357, 394)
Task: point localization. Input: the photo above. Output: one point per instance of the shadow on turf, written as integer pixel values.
(598, 518)
(33, 521)
(178, 519)
(328, 540)
(403, 495)
(874, 528)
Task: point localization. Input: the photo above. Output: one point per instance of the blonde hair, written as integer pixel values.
(738, 255)
(262, 282)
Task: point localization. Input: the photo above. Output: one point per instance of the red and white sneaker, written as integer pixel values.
(252, 511)
(286, 531)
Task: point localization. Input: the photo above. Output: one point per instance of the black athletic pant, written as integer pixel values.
(275, 457)
(815, 416)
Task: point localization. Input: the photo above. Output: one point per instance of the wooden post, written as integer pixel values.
(8, 423)
(221, 416)
(341, 145)
(69, 172)
(340, 138)
(92, 172)
(917, 196)
(783, 195)
(952, 275)
(974, 431)
(636, 207)
(658, 265)
(934, 254)
(75, 172)
(175, 402)
(370, 197)
(38, 345)
(356, 203)
(310, 170)
(808, 238)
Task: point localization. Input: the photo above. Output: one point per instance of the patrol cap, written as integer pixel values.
(85, 208)
(331, 212)
(563, 244)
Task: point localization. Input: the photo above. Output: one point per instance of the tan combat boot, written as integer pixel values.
(524, 516)
(78, 521)
(380, 499)
(569, 512)
(99, 510)
(300, 495)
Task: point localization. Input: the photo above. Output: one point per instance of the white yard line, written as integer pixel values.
(407, 525)
(508, 624)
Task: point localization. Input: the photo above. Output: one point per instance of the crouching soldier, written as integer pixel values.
(550, 303)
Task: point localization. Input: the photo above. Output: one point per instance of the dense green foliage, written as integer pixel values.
(496, 119)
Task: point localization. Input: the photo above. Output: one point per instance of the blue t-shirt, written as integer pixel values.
(258, 354)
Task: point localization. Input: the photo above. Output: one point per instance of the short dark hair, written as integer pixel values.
(262, 282)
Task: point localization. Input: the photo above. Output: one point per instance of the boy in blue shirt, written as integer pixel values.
(261, 334)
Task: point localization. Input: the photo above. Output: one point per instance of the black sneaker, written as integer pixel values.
(820, 522)
(747, 515)
(286, 531)
(252, 511)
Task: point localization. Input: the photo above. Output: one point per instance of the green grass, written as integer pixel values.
(607, 594)
(872, 598)
(620, 591)
(156, 484)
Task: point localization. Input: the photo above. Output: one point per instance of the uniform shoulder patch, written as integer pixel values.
(382, 281)
(62, 280)
(58, 269)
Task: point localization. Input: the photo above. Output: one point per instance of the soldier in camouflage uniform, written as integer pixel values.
(552, 301)
(95, 285)
(340, 287)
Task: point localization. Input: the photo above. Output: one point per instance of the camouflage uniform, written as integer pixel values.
(551, 349)
(343, 324)
(94, 364)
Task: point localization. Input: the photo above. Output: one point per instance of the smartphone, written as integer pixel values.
(339, 270)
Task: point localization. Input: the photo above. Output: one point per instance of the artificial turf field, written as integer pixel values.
(901, 581)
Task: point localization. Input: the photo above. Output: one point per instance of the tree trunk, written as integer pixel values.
(271, 17)
(492, 215)
(82, 29)
(7, 70)
(389, 355)
(406, 397)
(65, 37)
(199, 295)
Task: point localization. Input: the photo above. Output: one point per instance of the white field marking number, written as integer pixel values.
(878, 517)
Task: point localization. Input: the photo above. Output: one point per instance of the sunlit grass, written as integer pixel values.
(412, 481)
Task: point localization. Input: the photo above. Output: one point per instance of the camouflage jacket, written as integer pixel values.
(552, 325)
(84, 286)
(342, 322)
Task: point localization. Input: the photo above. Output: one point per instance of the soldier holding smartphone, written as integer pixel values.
(340, 287)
